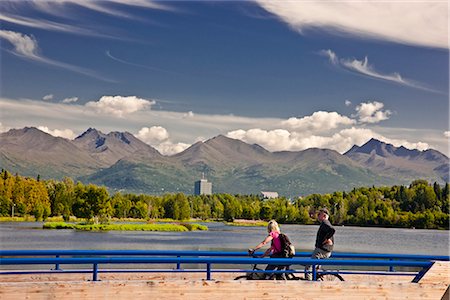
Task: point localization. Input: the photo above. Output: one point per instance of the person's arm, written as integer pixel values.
(266, 240)
(329, 232)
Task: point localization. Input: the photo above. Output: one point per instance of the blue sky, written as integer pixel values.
(288, 75)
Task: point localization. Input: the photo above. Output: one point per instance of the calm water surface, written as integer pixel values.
(227, 238)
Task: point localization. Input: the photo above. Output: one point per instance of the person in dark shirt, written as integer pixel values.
(324, 240)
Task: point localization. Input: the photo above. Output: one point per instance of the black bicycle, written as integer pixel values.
(324, 275)
(258, 274)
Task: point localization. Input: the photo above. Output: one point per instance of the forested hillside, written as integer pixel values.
(419, 205)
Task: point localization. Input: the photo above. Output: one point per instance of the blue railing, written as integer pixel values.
(208, 258)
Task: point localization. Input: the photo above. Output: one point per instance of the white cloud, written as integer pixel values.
(334, 60)
(65, 133)
(348, 102)
(70, 100)
(120, 105)
(371, 112)
(363, 67)
(169, 148)
(189, 114)
(158, 137)
(26, 46)
(48, 97)
(153, 135)
(423, 23)
(319, 120)
(4, 128)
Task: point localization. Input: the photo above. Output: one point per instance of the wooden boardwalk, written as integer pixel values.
(434, 285)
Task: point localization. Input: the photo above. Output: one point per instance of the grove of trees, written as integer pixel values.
(419, 205)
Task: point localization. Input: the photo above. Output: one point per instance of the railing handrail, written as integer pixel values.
(178, 257)
(210, 260)
(208, 253)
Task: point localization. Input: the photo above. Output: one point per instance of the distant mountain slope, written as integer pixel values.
(109, 148)
(30, 152)
(401, 163)
(236, 167)
(223, 151)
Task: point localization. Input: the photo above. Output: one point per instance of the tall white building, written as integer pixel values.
(203, 187)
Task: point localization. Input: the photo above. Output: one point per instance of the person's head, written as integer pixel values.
(323, 214)
(273, 226)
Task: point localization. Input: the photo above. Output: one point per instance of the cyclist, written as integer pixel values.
(274, 251)
(324, 240)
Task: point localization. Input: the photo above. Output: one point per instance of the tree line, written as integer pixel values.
(419, 205)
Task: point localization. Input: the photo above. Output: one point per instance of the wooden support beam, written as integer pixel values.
(230, 289)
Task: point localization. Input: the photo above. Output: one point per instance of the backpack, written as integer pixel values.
(287, 249)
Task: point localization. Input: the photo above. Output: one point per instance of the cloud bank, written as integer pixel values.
(419, 23)
(172, 132)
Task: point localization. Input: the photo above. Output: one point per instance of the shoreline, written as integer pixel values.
(236, 222)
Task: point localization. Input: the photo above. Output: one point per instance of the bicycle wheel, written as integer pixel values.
(245, 277)
(330, 277)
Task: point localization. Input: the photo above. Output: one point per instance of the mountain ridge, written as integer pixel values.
(122, 162)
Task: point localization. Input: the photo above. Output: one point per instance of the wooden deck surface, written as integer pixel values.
(136, 286)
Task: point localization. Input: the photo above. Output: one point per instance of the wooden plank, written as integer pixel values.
(199, 290)
(438, 273)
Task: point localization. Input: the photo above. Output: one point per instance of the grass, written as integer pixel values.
(194, 226)
(125, 227)
(18, 219)
(248, 223)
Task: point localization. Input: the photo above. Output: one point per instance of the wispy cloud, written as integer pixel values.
(61, 14)
(108, 53)
(49, 25)
(110, 7)
(26, 46)
(422, 23)
(363, 67)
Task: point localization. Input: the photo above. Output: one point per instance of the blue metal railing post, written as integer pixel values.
(57, 265)
(208, 271)
(178, 264)
(314, 273)
(391, 268)
(95, 272)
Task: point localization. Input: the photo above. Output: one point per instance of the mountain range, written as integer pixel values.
(121, 162)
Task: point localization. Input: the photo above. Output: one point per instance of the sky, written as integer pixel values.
(287, 75)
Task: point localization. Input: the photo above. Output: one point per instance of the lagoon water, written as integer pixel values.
(220, 237)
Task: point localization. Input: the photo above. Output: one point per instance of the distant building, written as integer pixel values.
(203, 187)
(268, 195)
